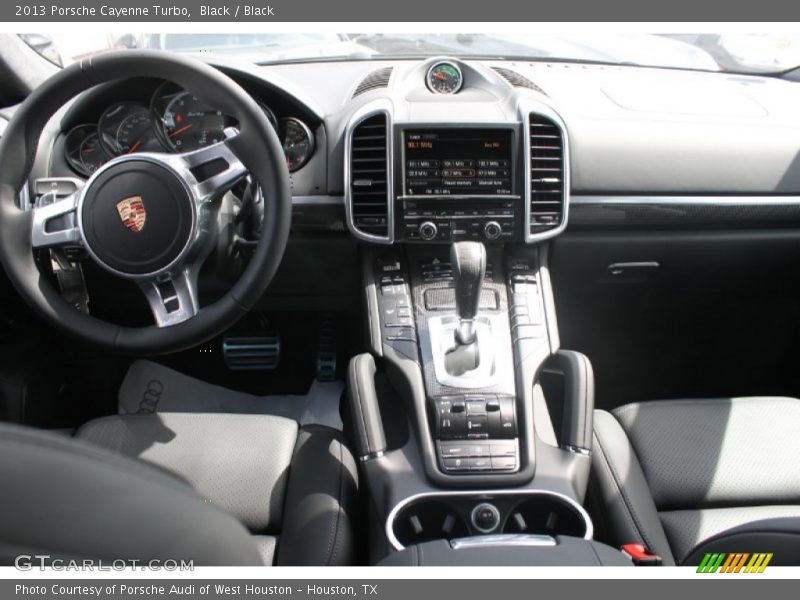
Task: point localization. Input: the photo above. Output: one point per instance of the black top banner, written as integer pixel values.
(477, 11)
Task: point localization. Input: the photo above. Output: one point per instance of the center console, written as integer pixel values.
(456, 439)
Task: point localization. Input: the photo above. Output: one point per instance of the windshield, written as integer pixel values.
(745, 53)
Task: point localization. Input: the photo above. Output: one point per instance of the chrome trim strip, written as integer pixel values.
(371, 456)
(676, 200)
(379, 106)
(478, 494)
(526, 107)
(503, 539)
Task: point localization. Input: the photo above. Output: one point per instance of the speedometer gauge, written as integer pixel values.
(125, 128)
(444, 78)
(298, 143)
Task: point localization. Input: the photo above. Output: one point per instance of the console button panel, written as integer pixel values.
(477, 433)
(477, 456)
(439, 221)
(475, 417)
(395, 305)
(526, 314)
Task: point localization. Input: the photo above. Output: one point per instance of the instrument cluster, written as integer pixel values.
(174, 121)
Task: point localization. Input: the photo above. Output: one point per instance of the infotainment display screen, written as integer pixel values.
(463, 162)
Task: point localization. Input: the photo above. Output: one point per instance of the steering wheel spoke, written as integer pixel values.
(214, 169)
(55, 222)
(172, 299)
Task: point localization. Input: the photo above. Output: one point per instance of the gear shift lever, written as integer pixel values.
(468, 262)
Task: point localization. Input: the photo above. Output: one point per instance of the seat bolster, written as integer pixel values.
(320, 500)
(237, 462)
(618, 483)
(751, 529)
(717, 451)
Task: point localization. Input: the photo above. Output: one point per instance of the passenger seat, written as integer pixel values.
(689, 477)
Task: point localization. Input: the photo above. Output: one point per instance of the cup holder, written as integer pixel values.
(546, 515)
(426, 520)
(457, 514)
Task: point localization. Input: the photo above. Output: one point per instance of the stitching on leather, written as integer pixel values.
(334, 534)
(633, 518)
(360, 406)
(586, 412)
(596, 555)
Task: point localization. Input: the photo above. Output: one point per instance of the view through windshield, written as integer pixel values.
(747, 53)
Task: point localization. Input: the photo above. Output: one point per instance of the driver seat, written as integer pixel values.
(217, 489)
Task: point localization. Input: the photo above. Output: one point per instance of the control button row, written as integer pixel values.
(477, 449)
(493, 463)
(527, 318)
(475, 417)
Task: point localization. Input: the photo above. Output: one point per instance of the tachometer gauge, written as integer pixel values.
(83, 150)
(298, 143)
(444, 78)
(125, 128)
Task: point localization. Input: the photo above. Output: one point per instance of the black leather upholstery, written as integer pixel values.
(318, 526)
(686, 477)
(181, 486)
(72, 500)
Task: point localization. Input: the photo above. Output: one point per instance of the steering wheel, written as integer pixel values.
(150, 217)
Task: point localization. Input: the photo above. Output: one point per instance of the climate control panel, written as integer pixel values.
(443, 221)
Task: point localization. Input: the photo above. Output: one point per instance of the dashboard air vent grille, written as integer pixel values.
(517, 80)
(369, 177)
(547, 174)
(375, 80)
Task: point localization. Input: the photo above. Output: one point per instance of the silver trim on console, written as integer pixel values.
(526, 107)
(503, 539)
(480, 495)
(380, 106)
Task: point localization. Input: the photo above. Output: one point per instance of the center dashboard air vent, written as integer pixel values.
(369, 187)
(375, 80)
(548, 177)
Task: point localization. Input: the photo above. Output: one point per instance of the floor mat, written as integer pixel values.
(149, 387)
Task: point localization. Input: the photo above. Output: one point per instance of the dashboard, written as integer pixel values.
(480, 149)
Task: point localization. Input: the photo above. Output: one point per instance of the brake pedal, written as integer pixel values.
(326, 350)
(257, 352)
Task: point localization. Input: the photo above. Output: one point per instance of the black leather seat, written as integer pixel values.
(687, 477)
(218, 489)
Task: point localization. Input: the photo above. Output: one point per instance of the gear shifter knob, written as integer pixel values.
(468, 262)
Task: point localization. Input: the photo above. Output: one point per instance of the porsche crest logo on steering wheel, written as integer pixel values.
(132, 213)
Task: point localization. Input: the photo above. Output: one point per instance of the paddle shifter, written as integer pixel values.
(468, 263)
